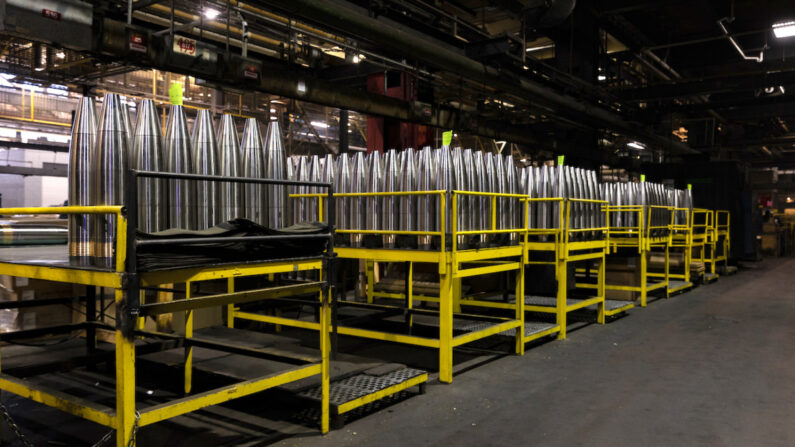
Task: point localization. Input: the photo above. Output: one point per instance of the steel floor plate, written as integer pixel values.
(360, 385)
(535, 327)
(675, 284)
(709, 277)
(611, 305)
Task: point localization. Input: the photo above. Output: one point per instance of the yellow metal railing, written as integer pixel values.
(702, 224)
(442, 196)
(121, 226)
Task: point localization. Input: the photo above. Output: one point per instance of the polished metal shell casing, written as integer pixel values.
(230, 194)
(179, 159)
(147, 154)
(110, 165)
(81, 149)
(205, 162)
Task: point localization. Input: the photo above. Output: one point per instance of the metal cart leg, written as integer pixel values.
(125, 381)
(409, 290)
(325, 345)
(643, 279)
(667, 271)
(561, 301)
(519, 293)
(370, 270)
(188, 347)
(230, 308)
(600, 289)
(446, 325)
(457, 295)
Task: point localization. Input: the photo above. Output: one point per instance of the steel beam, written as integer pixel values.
(341, 15)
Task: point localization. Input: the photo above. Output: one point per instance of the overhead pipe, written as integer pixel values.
(342, 17)
(737, 47)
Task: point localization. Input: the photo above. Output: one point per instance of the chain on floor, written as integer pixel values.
(24, 440)
(14, 427)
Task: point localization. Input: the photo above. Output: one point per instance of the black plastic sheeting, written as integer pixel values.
(179, 255)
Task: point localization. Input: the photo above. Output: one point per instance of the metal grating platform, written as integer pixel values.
(546, 301)
(710, 277)
(611, 305)
(360, 385)
(536, 327)
(675, 285)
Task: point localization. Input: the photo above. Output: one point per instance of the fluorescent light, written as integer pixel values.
(636, 145)
(273, 110)
(301, 87)
(540, 47)
(319, 124)
(355, 58)
(784, 29)
(601, 77)
(211, 14)
(60, 55)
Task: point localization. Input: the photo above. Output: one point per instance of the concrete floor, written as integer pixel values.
(714, 366)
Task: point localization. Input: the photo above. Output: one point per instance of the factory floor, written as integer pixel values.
(712, 366)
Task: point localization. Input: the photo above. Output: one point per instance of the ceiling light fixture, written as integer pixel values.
(636, 145)
(784, 29)
(211, 14)
(540, 47)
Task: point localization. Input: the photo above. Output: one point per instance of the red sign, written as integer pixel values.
(138, 43)
(251, 71)
(184, 45)
(50, 14)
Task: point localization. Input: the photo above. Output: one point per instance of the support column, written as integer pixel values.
(600, 288)
(370, 271)
(446, 325)
(230, 308)
(325, 348)
(409, 295)
(643, 278)
(562, 296)
(667, 270)
(457, 295)
(188, 347)
(519, 294)
(125, 379)
(343, 132)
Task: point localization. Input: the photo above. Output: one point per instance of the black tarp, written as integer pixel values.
(179, 255)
